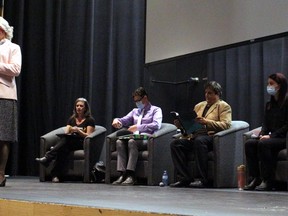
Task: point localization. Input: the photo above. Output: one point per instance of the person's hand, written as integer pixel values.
(75, 129)
(116, 123)
(264, 137)
(133, 128)
(177, 123)
(201, 120)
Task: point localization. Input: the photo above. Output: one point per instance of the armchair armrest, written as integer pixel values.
(236, 126)
(287, 151)
(93, 145)
(110, 147)
(165, 129)
(49, 139)
(228, 153)
(46, 141)
(93, 136)
(111, 142)
(177, 135)
(159, 153)
(95, 140)
(114, 134)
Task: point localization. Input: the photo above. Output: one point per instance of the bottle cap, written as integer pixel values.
(241, 168)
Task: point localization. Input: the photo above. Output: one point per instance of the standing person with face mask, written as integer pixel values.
(10, 67)
(272, 138)
(146, 119)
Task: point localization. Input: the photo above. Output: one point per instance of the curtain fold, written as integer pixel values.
(92, 49)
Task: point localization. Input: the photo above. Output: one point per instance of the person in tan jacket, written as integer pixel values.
(213, 115)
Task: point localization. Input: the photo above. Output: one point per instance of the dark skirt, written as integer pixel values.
(8, 120)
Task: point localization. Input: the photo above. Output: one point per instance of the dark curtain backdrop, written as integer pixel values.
(71, 48)
(243, 72)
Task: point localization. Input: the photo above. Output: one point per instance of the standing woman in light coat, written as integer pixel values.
(10, 67)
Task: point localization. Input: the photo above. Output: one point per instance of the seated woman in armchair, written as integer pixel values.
(264, 147)
(79, 125)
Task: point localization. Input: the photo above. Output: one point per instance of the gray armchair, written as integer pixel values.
(281, 173)
(227, 154)
(81, 162)
(151, 162)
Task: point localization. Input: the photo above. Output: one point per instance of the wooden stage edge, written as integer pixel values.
(24, 208)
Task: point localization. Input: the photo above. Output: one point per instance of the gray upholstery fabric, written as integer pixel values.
(281, 173)
(227, 154)
(152, 162)
(81, 161)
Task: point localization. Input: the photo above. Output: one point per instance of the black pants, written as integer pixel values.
(200, 146)
(261, 156)
(60, 153)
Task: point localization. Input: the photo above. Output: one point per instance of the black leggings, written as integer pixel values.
(60, 153)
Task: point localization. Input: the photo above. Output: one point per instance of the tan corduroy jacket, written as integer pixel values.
(219, 115)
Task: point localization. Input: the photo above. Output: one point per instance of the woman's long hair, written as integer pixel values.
(281, 80)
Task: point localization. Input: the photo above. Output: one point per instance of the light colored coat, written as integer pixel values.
(219, 115)
(10, 67)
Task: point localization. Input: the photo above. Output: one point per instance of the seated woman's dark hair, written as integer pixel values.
(215, 86)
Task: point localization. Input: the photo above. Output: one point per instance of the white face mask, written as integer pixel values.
(271, 90)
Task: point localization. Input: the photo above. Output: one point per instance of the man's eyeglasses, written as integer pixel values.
(138, 99)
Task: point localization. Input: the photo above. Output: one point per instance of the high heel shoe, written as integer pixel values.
(44, 161)
(3, 183)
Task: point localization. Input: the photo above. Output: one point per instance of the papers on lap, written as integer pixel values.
(188, 125)
(134, 136)
(126, 135)
(68, 135)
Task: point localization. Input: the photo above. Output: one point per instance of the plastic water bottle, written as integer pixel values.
(165, 178)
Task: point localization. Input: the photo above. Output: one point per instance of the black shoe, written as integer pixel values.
(264, 186)
(129, 181)
(44, 161)
(119, 180)
(3, 183)
(182, 183)
(197, 184)
(253, 184)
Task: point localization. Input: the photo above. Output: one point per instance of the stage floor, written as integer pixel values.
(162, 200)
